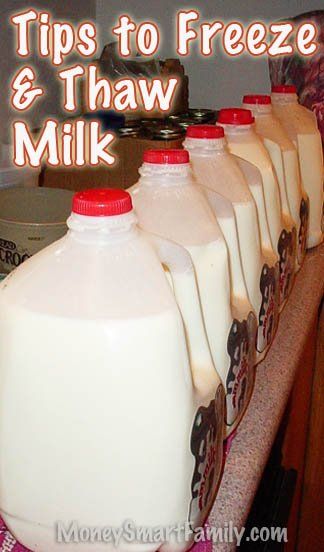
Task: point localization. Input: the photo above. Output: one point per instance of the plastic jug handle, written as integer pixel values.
(177, 259)
(223, 209)
(254, 179)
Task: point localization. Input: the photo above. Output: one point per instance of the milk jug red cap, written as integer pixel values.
(235, 116)
(284, 89)
(257, 99)
(205, 131)
(166, 156)
(102, 202)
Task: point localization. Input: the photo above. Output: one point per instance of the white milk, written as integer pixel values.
(301, 126)
(218, 171)
(294, 200)
(244, 142)
(169, 203)
(103, 418)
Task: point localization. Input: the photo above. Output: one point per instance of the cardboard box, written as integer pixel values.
(129, 153)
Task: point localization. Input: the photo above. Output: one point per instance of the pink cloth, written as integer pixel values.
(202, 547)
(206, 546)
(228, 443)
(306, 73)
(7, 542)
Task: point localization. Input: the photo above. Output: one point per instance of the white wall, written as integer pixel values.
(70, 10)
(217, 80)
(214, 81)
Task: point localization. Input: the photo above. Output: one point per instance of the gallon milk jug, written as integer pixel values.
(105, 416)
(269, 283)
(170, 204)
(243, 141)
(301, 126)
(284, 157)
(218, 170)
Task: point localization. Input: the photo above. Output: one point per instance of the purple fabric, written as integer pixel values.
(228, 443)
(7, 542)
(206, 546)
(306, 73)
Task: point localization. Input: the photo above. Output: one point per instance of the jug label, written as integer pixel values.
(286, 250)
(207, 448)
(268, 314)
(10, 257)
(303, 229)
(239, 382)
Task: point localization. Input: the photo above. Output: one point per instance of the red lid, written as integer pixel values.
(235, 116)
(284, 89)
(257, 99)
(205, 131)
(166, 156)
(102, 202)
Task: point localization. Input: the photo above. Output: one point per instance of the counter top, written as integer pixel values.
(275, 377)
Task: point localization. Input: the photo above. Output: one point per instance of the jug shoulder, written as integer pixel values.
(92, 280)
(181, 214)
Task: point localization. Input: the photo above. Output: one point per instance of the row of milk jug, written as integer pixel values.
(128, 347)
